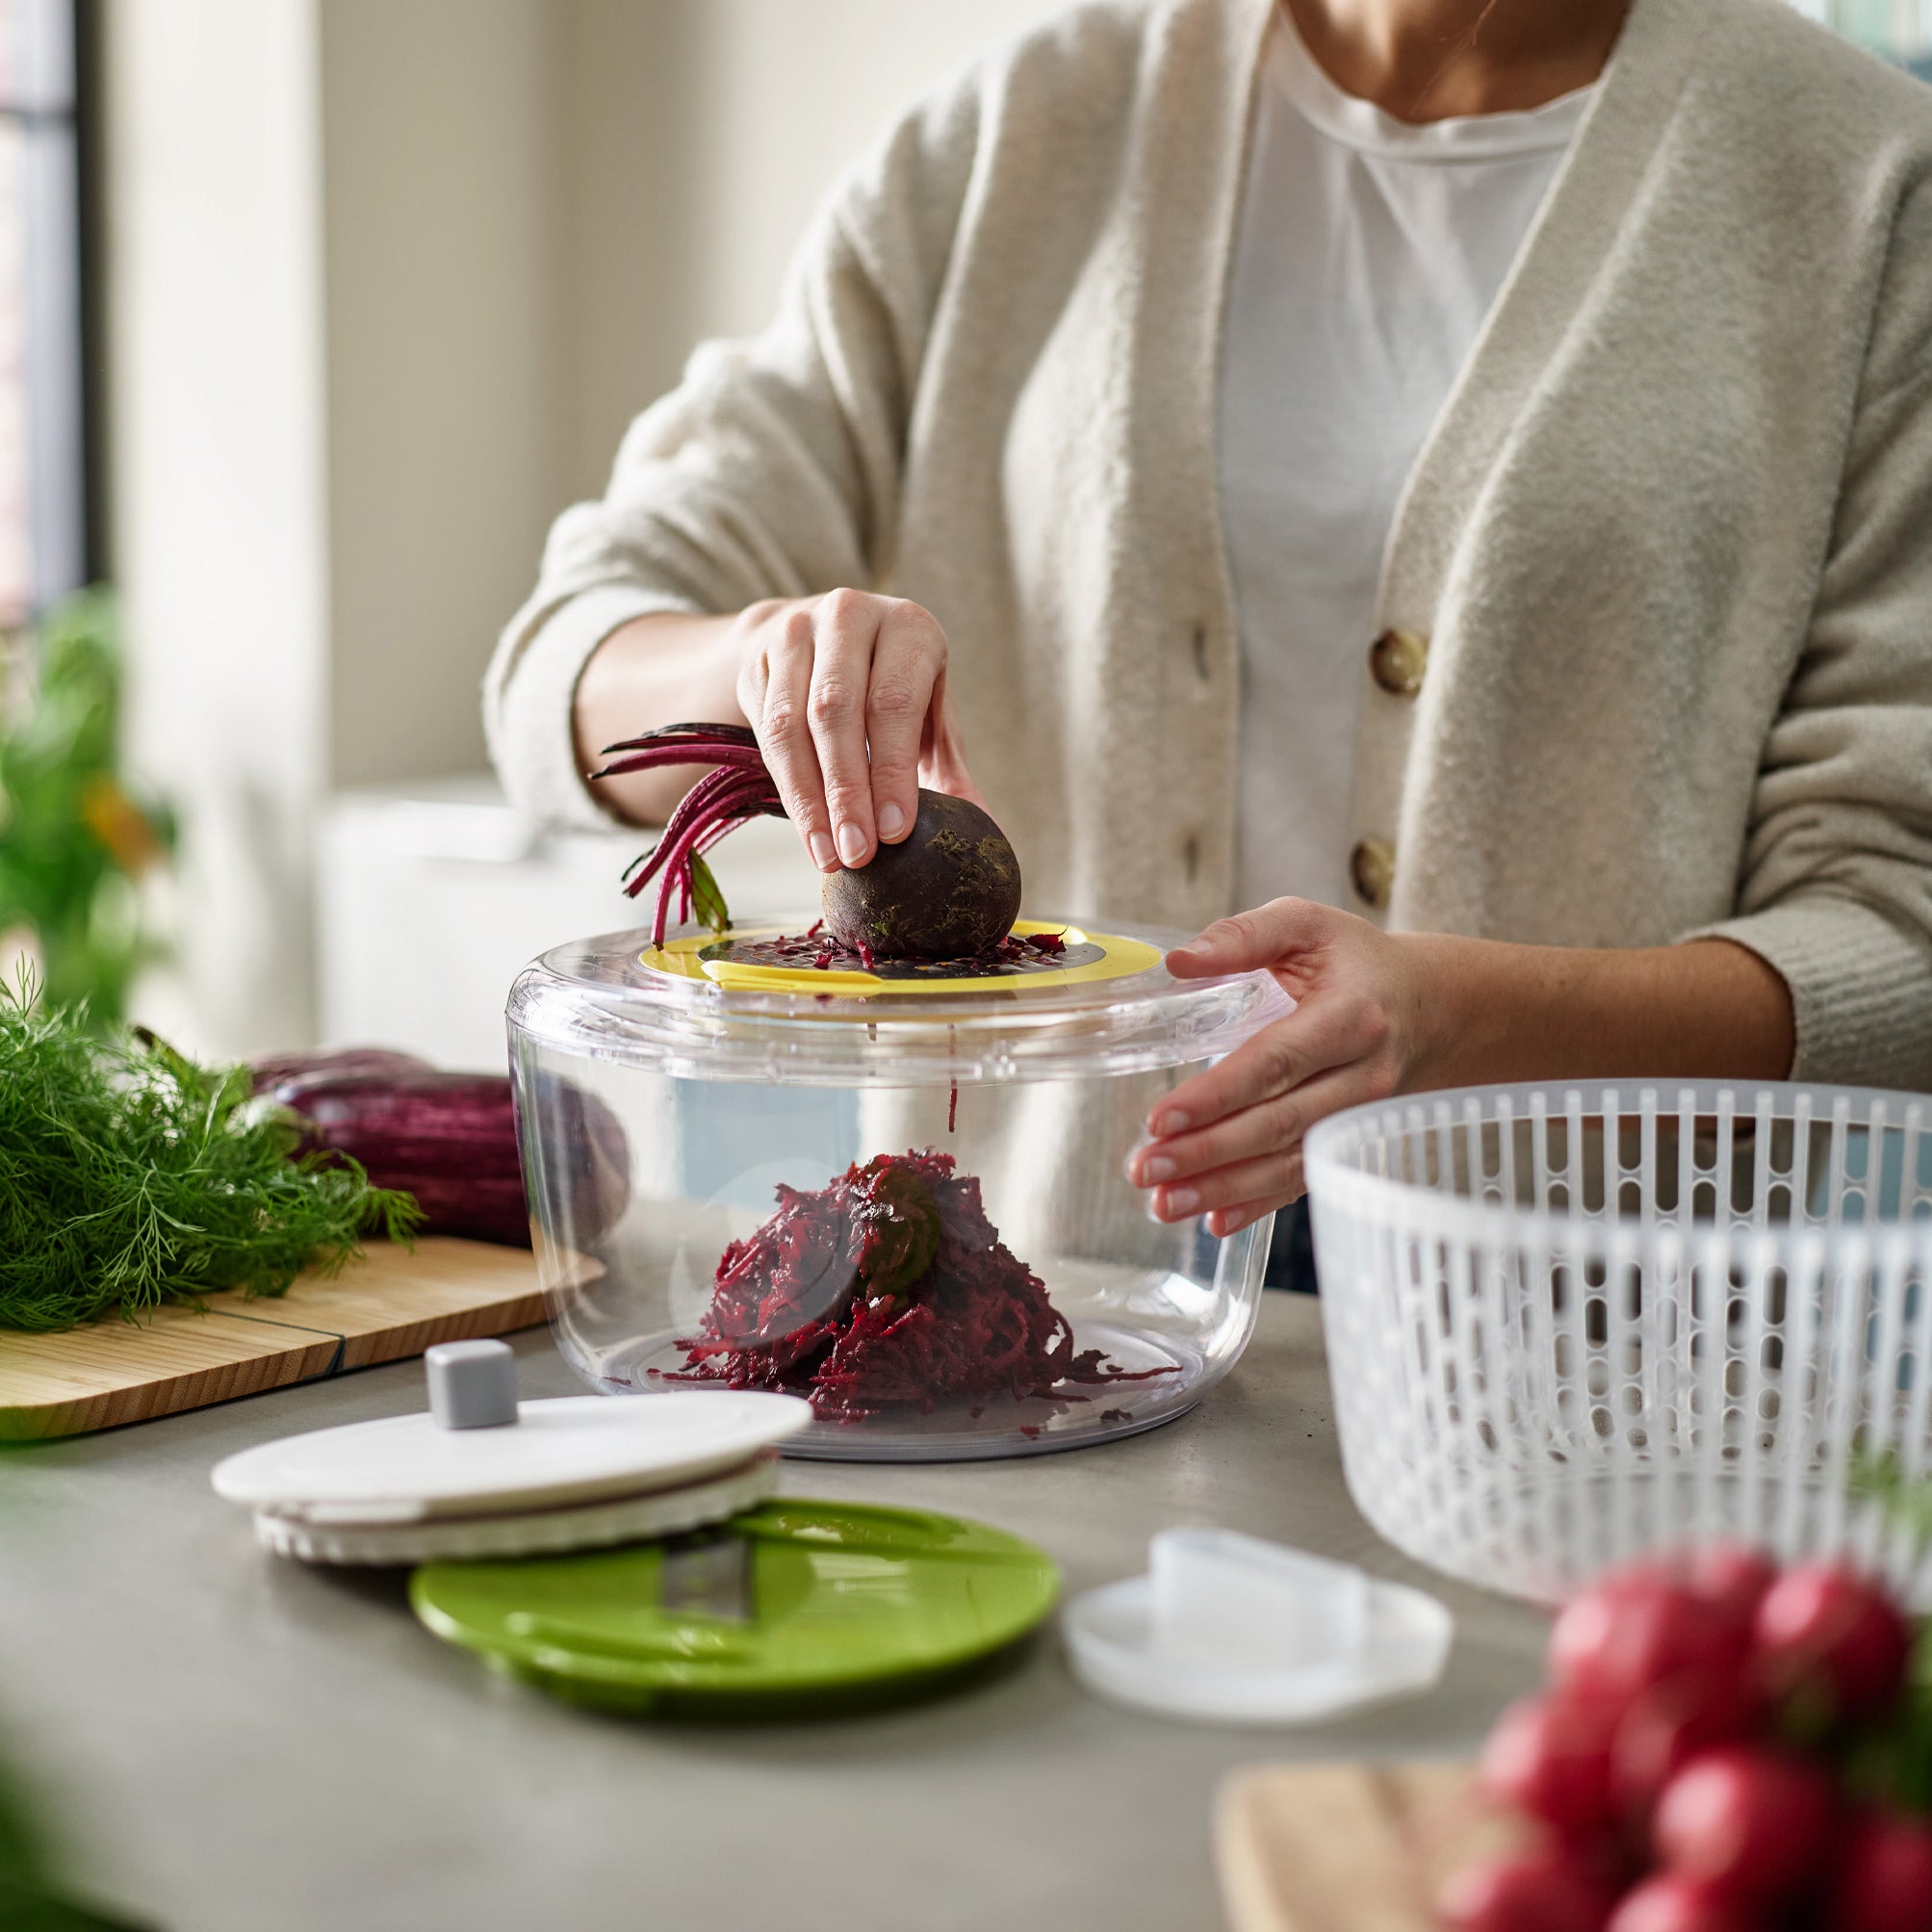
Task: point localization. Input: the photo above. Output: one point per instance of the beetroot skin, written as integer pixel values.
(884, 1294)
(949, 891)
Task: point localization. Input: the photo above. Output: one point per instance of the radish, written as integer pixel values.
(1543, 1890)
(1747, 1823)
(1884, 1880)
(1668, 1725)
(1823, 1632)
(1671, 1903)
(1635, 1630)
(1552, 1759)
(1733, 1578)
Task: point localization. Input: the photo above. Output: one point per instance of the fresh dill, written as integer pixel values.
(131, 1177)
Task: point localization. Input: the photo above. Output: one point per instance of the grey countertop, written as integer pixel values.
(233, 1742)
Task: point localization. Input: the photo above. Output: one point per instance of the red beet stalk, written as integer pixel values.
(739, 790)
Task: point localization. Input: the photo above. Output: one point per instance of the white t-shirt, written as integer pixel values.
(1368, 255)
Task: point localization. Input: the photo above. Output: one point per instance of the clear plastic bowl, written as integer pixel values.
(661, 1112)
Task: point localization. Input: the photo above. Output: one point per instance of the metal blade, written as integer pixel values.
(707, 1574)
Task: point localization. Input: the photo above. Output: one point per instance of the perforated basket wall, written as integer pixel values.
(1565, 1327)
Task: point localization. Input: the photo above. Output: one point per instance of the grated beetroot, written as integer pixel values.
(885, 1294)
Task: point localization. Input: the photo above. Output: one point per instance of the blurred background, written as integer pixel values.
(313, 313)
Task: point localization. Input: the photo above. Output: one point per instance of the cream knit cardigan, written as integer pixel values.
(1670, 541)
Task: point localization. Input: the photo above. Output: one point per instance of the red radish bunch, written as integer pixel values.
(1722, 1747)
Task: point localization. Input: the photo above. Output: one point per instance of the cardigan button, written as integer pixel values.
(1396, 660)
(1372, 872)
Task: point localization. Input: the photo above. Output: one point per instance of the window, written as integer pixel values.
(42, 470)
(1900, 29)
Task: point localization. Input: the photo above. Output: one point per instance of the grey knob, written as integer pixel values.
(472, 1385)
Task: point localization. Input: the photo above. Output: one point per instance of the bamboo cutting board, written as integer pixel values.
(394, 1304)
(1345, 1847)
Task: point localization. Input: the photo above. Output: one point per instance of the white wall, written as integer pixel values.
(446, 322)
(215, 400)
(386, 280)
(702, 136)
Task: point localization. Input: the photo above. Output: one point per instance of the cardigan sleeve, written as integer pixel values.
(773, 470)
(1837, 886)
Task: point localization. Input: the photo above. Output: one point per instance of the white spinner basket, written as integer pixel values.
(1566, 1326)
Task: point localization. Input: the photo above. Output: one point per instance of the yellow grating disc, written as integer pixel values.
(1089, 957)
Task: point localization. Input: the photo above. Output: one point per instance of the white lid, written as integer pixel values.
(524, 1533)
(407, 1469)
(1236, 1630)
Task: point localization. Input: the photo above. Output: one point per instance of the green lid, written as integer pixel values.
(794, 1606)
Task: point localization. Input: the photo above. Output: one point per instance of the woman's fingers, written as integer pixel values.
(942, 763)
(1226, 1220)
(785, 732)
(1247, 1134)
(845, 631)
(1255, 1156)
(846, 694)
(1254, 939)
(1327, 1029)
(907, 666)
(1273, 1180)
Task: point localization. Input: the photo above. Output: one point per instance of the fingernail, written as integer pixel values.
(851, 843)
(891, 821)
(822, 854)
(1182, 1200)
(1156, 1168)
(1171, 1124)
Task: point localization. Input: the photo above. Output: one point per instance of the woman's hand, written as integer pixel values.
(1227, 1141)
(1386, 1012)
(847, 694)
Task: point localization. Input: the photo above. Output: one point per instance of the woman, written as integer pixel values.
(1469, 463)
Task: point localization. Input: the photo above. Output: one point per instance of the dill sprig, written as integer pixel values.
(131, 1177)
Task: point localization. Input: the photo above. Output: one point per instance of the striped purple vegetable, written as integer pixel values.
(451, 1139)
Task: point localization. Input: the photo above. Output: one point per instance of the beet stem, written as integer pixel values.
(736, 789)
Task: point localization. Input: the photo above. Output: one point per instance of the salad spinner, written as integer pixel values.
(897, 1193)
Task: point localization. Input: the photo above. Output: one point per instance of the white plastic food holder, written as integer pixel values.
(482, 1474)
(1569, 1325)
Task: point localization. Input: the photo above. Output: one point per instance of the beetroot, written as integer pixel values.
(949, 891)
(882, 1294)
